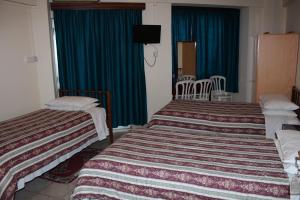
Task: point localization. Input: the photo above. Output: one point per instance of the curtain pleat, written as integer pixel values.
(182, 22)
(216, 32)
(95, 51)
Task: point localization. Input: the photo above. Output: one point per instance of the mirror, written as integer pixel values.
(186, 55)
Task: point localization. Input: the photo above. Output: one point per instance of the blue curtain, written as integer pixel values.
(95, 51)
(216, 31)
(182, 22)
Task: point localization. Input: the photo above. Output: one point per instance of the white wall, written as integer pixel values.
(293, 16)
(293, 24)
(42, 46)
(24, 31)
(274, 16)
(18, 80)
(243, 56)
(159, 77)
(26, 2)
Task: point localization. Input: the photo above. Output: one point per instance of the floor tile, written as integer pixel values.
(23, 195)
(67, 197)
(42, 197)
(69, 193)
(57, 190)
(37, 185)
(74, 182)
(100, 144)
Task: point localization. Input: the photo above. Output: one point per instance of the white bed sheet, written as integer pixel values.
(274, 123)
(99, 118)
(293, 196)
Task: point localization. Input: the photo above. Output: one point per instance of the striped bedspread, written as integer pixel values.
(211, 117)
(32, 141)
(151, 164)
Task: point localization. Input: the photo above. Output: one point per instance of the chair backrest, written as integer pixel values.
(218, 83)
(202, 90)
(184, 89)
(187, 78)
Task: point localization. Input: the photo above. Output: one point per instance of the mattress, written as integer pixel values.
(211, 117)
(275, 122)
(34, 141)
(163, 164)
(293, 186)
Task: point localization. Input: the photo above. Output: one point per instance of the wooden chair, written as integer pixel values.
(202, 89)
(184, 90)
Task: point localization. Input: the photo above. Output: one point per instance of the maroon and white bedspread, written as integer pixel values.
(32, 141)
(150, 164)
(211, 117)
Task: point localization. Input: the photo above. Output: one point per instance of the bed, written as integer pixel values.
(226, 117)
(36, 142)
(211, 117)
(190, 150)
(296, 99)
(165, 164)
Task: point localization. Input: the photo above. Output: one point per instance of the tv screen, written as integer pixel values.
(146, 34)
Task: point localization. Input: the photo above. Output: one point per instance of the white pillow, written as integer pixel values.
(287, 113)
(293, 120)
(73, 108)
(289, 141)
(277, 102)
(71, 101)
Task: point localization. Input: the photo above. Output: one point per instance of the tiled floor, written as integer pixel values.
(41, 189)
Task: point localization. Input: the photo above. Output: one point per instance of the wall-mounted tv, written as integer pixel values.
(146, 34)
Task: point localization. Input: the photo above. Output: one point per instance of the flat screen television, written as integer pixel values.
(146, 34)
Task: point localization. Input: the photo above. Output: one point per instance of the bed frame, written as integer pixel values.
(102, 96)
(296, 99)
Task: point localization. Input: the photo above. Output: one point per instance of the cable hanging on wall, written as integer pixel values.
(155, 54)
(148, 35)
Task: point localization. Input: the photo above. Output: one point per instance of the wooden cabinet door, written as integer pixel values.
(276, 64)
(188, 58)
